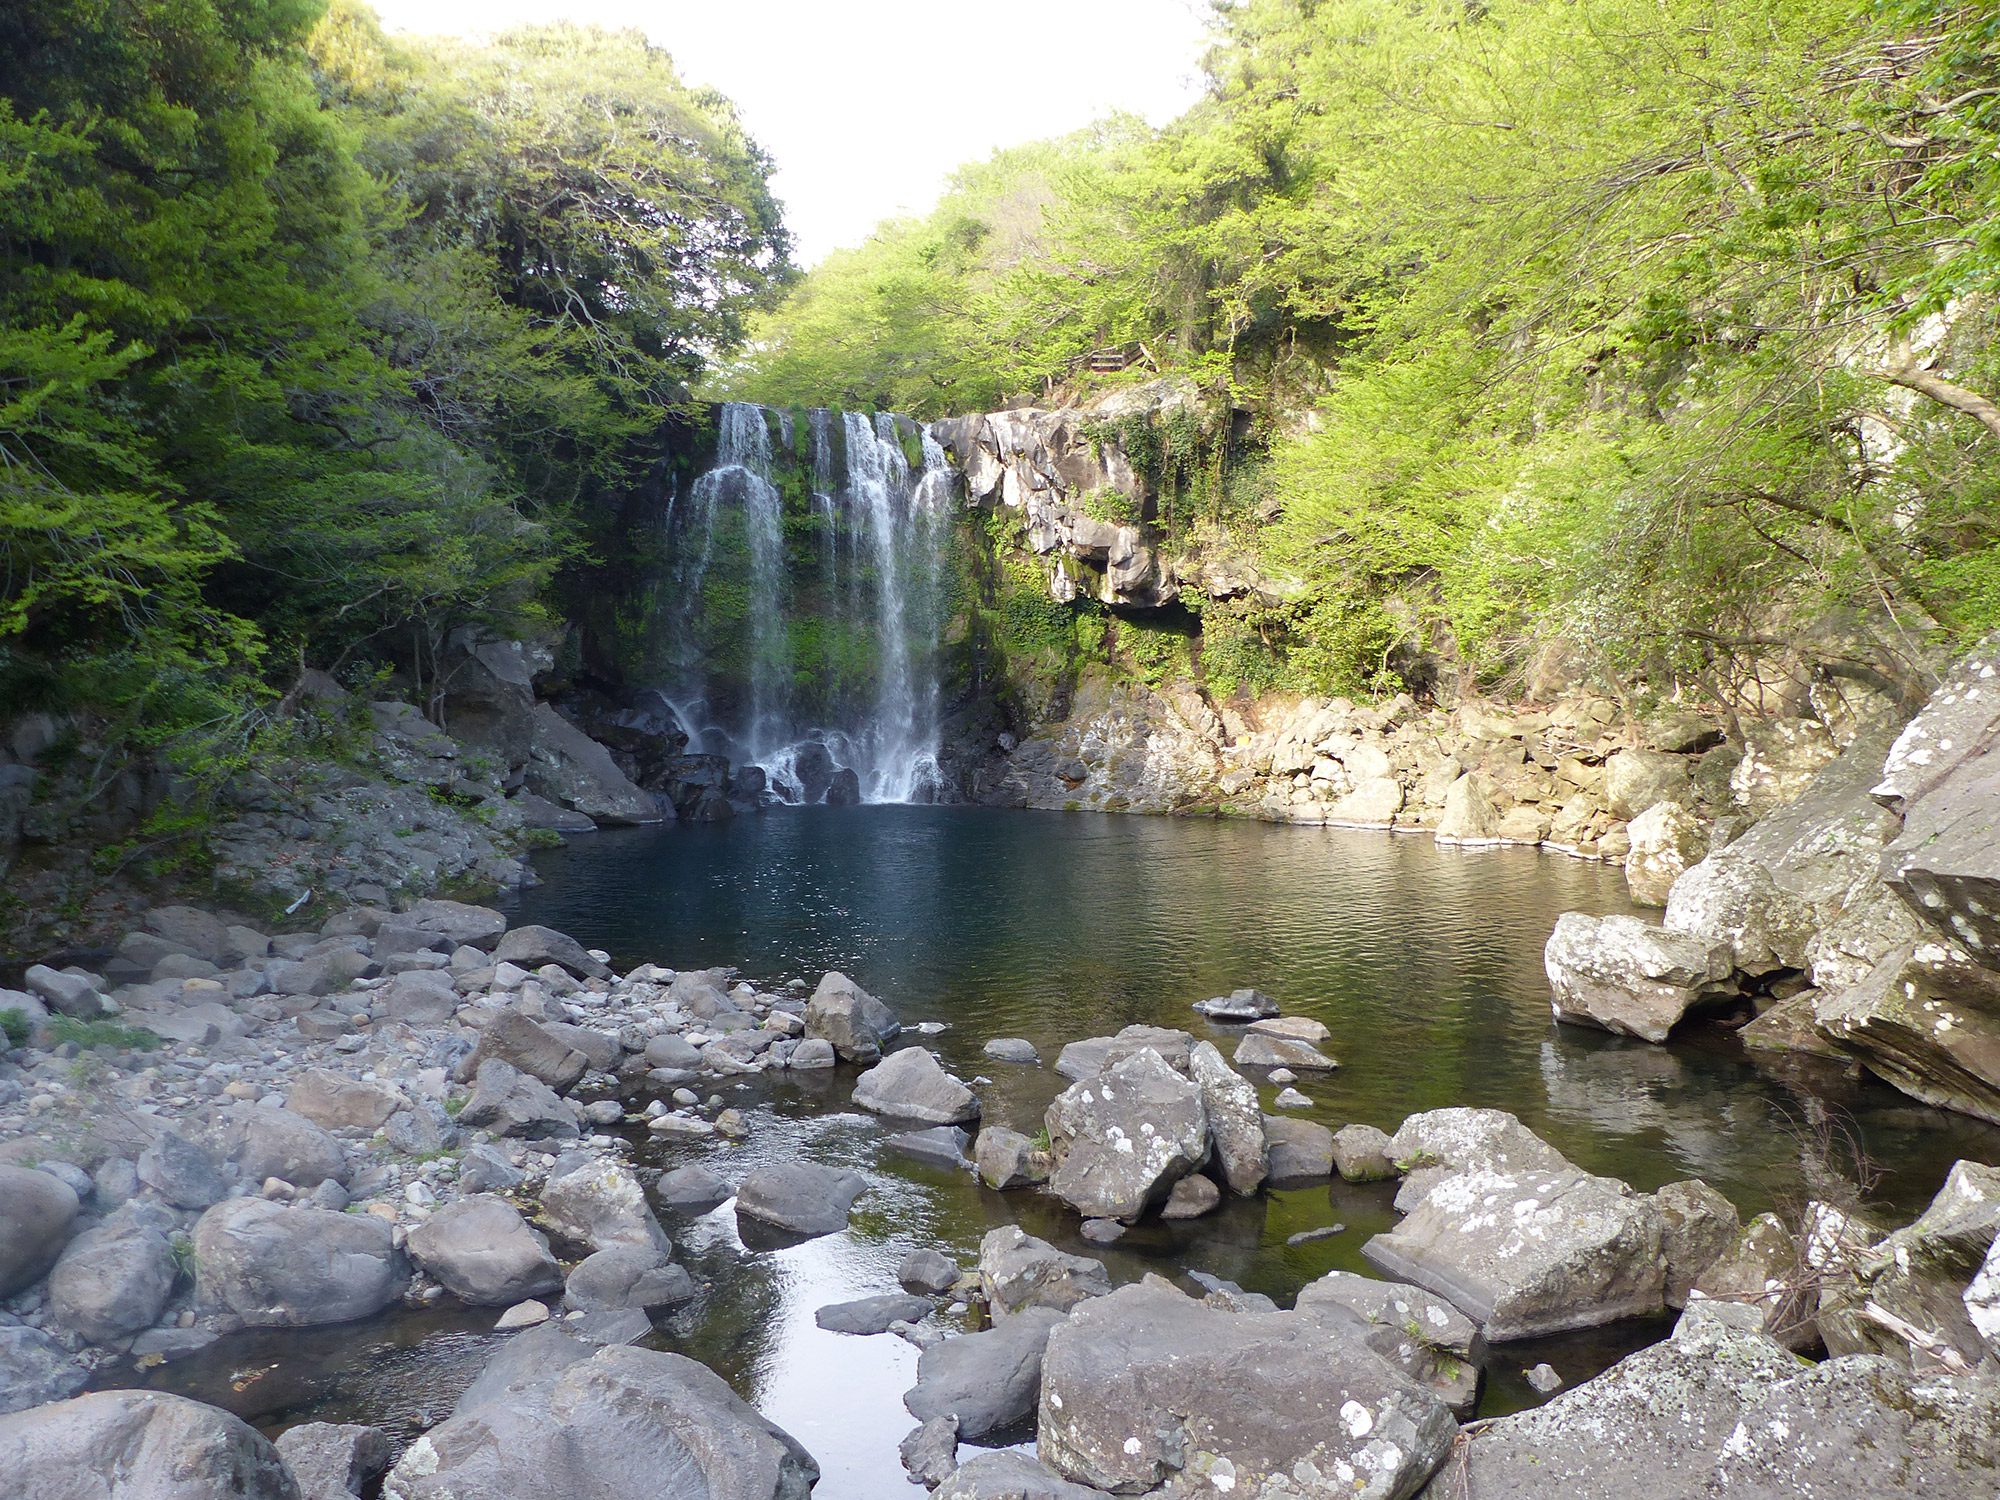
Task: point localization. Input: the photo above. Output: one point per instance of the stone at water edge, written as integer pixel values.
(1235, 1125)
(1291, 1028)
(1012, 1049)
(1891, 1020)
(599, 1202)
(1292, 1099)
(800, 1198)
(1621, 975)
(508, 1102)
(40, 1214)
(1702, 1226)
(930, 1452)
(143, 1444)
(1007, 1159)
(1300, 1150)
(1016, 1270)
(626, 1276)
(1416, 1331)
(1122, 1140)
(1462, 1138)
(853, 1021)
(1259, 1051)
(532, 947)
(1544, 1379)
(484, 1253)
(1361, 1154)
(1667, 839)
(692, 1189)
(928, 1271)
(1238, 1005)
(1468, 817)
(114, 1279)
(1191, 1198)
(35, 1370)
(912, 1085)
(334, 1461)
(987, 1380)
(871, 1315)
(280, 1267)
(1008, 1475)
(522, 1315)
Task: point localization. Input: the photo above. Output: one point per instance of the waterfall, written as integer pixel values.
(814, 648)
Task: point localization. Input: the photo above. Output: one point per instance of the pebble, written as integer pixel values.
(1293, 1099)
(1282, 1075)
(1544, 1379)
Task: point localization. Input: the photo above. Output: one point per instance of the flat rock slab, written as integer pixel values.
(941, 1145)
(872, 1314)
(1259, 1051)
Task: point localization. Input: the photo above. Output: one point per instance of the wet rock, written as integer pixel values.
(181, 1172)
(1529, 1254)
(530, 1314)
(1544, 1379)
(987, 1380)
(1422, 1335)
(1191, 1198)
(145, 1445)
(34, 1370)
(692, 1189)
(1300, 1151)
(852, 1020)
(1174, 1048)
(1621, 975)
(810, 1055)
(512, 1038)
(1102, 1231)
(484, 1253)
(279, 1143)
(334, 1460)
(171, 1343)
(911, 1085)
(1666, 838)
(869, 1315)
(941, 1145)
(507, 1101)
(1928, 1021)
(277, 1267)
(37, 1215)
(1122, 1140)
(618, 1424)
(1701, 1226)
(800, 1197)
(1361, 1154)
(335, 1101)
(1259, 1051)
(531, 947)
(1008, 1475)
(1290, 1098)
(1008, 1159)
(627, 1276)
(1016, 1270)
(597, 1201)
(1291, 1028)
(114, 1279)
(1147, 1387)
(1012, 1049)
(1238, 1006)
(1235, 1124)
(928, 1271)
(930, 1452)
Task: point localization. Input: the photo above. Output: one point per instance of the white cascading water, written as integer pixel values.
(882, 568)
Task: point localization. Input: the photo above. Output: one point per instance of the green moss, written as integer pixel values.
(16, 1027)
(88, 1034)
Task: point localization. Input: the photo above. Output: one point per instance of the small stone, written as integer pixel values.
(1307, 1236)
(1102, 1231)
(1544, 1379)
(1293, 1099)
(522, 1315)
(1191, 1197)
(1282, 1075)
(1012, 1049)
(928, 1271)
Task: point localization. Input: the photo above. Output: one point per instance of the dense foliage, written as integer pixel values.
(1659, 328)
(309, 337)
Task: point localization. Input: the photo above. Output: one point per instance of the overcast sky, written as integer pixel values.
(866, 105)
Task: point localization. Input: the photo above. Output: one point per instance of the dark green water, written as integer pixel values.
(1424, 963)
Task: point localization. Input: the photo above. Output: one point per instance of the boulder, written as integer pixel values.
(277, 1267)
(1122, 1140)
(1012, 1049)
(987, 1380)
(1007, 1159)
(1982, 1299)
(614, 1423)
(930, 1452)
(1422, 1335)
(459, 924)
(1361, 1154)
(597, 1201)
(941, 1146)
(338, 1102)
(485, 1169)
(692, 1189)
(1528, 1253)
(870, 1315)
(484, 1253)
(1961, 720)
(189, 930)
(670, 1050)
(1373, 803)
(1016, 1270)
(181, 1172)
(283, 1144)
(1780, 759)
(1097, 1054)
(75, 995)
(800, 1197)
(138, 1445)
(911, 1085)
(420, 997)
(1235, 1125)
(1764, 1271)
(34, 1370)
(1621, 975)
(1927, 1020)
(1298, 1151)
(531, 947)
(1192, 1197)
(421, 1130)
(1238, 1006)
(1468, 818)
(114, 1279)
(1147, 1387)
(1463, 1139)
(600, 1049)
(37, 1215)
(1292, 1028)
(627, 1276)
(569, 768)
(852, 1020)
(1006, 1474)
(507, 1101)
(334, 1460)
(1259, 1051)
(1666, 839)
(517, 1041)
(1701, 1226)
(1635, 780)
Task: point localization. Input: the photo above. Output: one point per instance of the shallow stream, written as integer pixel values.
(1424, 963)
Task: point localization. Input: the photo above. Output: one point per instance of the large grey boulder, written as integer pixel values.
(851, 1019)
(692, 1189)
(1735, 900)
(277, 1267)
(533, 946)
(334, 1460)
(459, 924)
(1148, 1387)
(335, 1101)
(1297, 1150)
(800, 1197)
(138, 1445)
(1008, 1475)
(1361, 1154)
(1666, 839)
(35, 1370)
(1258, 1050)
(597, 1201)
(617, 1423)
(1016, 1270)
(1528, 1254)
(1235, 1124)
(484, 1253)
(114, 1279)
(512, 1038)
(1468, 817)
(76, 995)
(1635, 780)
(987, 1380)
(181, 1172)
(627, 1276)
(1121, 1141)
(1419, 1333)
(1007, 1159)
(507, 1101)
(37, 1215)
(1700, 1227)
(1463, 1139)
(1765, 1271)
(1927, 1020)
(280, 1143)
(871, 1315)
(911, 1085)
(1622, 975)
(569, 768)
(671, 1050)
(420, 997)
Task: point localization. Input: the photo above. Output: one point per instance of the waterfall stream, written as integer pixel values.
(808, 569)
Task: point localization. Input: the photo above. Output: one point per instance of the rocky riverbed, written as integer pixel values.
(428, 1108)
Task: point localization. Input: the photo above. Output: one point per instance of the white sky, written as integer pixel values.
(867, 105)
